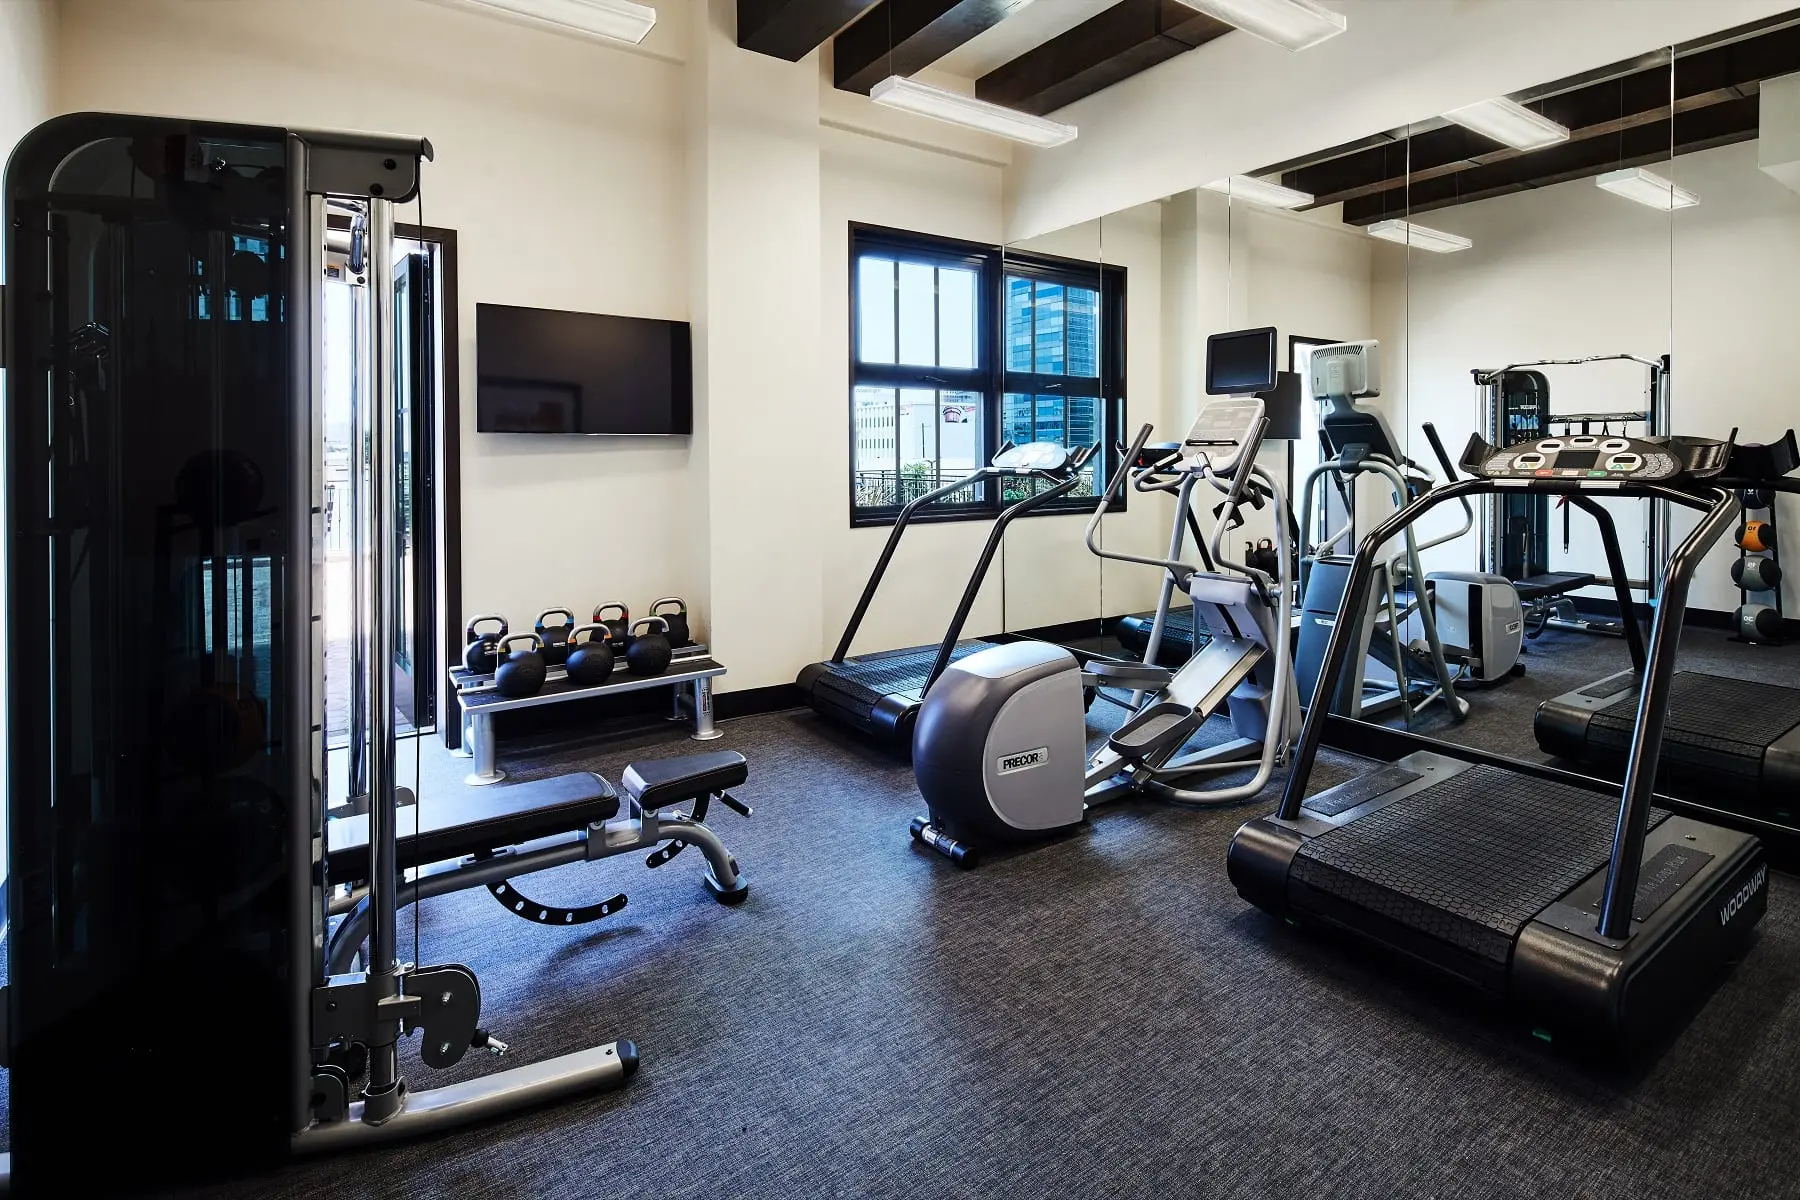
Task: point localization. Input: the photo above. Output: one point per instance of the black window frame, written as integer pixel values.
(990, 379)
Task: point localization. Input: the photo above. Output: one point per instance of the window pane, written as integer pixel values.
(1050, 419)
(1084, 332)
(956, 318)
(874, 474)
(918, 443)
(959, 433)
(1017, 423)
(918, 314)
(1049, 356)
(875, 309)
(1018, 324)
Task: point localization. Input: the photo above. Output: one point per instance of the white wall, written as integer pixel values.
(27, 54)
(1569, 271)
(560, 164)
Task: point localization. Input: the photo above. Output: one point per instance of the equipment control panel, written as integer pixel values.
(1598, 458)
(1219, 433)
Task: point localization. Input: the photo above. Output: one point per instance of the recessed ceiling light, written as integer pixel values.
(896, 91)
(1261, 191)
(1294, 24)
(613, 20)
(1647, 187)
(1408, 234)
(1509, 123)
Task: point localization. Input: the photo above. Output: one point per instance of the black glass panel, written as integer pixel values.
(148, 471)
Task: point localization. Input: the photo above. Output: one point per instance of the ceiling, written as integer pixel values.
(1630, 114)
(1032, 55)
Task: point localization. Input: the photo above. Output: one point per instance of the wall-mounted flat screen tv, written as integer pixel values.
(542, 371)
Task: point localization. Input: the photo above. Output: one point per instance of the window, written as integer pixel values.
(956, 349)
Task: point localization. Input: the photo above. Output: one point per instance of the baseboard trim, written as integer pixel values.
(754, 702)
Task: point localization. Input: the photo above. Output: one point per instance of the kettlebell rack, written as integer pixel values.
(690, 675)
(1758, 621)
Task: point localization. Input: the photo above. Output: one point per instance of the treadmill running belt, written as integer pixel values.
(1469, 860)
(1715, 721)
(873, 676)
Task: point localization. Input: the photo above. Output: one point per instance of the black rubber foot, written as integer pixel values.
(628, 1056)
(725, 895)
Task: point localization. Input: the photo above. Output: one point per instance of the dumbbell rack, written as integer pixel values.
(1765, 513)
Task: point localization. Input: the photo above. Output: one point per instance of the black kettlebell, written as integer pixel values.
(480, 654)
(555, 638)
(1262, 556)
(679, 634)
(649, 653)
(590, 662)
(620, 627)
(522, 672)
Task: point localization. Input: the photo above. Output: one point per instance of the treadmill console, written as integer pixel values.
(1598, 458)
(1219, 432)
(1032, 456)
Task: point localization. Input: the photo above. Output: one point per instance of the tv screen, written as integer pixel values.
(1240, 363)
(542, 371)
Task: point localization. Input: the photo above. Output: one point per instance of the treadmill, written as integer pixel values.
(1588, 908)
(1732, 748)
(879, 694)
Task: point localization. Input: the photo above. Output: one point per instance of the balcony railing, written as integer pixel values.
(891, 489)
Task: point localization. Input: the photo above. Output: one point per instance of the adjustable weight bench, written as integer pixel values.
(487, 839)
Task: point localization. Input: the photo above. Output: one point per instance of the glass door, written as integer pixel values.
(414, 658)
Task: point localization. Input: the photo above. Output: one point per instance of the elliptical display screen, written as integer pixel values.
(1579, 460)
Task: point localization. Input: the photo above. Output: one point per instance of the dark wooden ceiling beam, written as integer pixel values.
(792, 29)
(898, 37)
(1110, 46)
(1642, 145)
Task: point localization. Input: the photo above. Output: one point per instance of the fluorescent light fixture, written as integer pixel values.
(1294, 24)
(611, 20)
(1261, 191)
(1646, 187)
(1408, 234)
(1510, 123)
(896, 91)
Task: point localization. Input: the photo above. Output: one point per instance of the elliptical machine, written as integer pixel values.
(1000, 747)
(1427, 631)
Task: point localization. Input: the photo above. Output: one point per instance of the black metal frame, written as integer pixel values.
(990, 379)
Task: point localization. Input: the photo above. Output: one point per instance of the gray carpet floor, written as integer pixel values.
(1101, 1016)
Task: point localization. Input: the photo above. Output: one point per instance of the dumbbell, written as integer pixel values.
(679, 635)
(590, 662)
(620, 626)
(1758, 623)
(1756, 573)
(521, 672)
(555, 638)
(479, 655)
(649, 653)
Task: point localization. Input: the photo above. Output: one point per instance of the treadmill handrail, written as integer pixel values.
(973, 588)
(1638, 793)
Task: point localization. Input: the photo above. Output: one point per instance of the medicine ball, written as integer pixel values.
(1756, 574)
(1758, 623)
(1756, 536)
(1754, 498)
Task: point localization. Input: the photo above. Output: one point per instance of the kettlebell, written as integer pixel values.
(1756, 574)
(621, 627)
(1756, 536)
(679, 635)
(1262, 556)
(590, 662)
(521, 672)
(649, 653)
(479, 655)
(555, 638)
